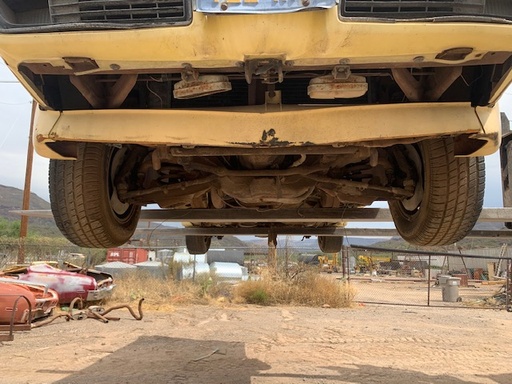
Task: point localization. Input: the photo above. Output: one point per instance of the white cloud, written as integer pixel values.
(15, 109)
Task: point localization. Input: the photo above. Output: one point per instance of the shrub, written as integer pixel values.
(308, 288)
(158, 293)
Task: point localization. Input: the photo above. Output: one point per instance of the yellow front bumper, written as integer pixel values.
(253, 127)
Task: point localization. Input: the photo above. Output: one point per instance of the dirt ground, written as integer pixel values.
(380, 290)
(240, 344)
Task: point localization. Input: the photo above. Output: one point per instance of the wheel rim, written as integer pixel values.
(413, 203)
(121, 210)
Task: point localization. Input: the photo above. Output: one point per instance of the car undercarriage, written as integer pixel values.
(313, 106)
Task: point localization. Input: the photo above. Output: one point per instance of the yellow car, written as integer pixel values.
(233, 108)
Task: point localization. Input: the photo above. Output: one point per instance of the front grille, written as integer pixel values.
(410, 9)
(118, 11)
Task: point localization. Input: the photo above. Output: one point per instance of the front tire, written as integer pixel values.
(448, 197)
(84, 199)
(198, 245)
(330, 244)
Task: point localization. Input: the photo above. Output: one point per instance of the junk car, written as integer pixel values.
(233, 108)
(89, 286)
(21, 301)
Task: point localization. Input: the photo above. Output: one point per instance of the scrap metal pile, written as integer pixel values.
(93, 312)
(69, 282)
(30, 294)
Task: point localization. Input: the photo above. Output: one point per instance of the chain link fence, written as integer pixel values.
(38, 252)
(478, 278)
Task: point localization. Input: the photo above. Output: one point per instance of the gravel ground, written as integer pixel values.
(248, 344)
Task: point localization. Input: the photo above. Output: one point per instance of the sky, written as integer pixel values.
(15, 108)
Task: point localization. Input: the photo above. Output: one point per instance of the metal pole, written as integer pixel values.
(272, 253)
(428, 280)
(26, 190)
(343, 262)
(286, 257)
(346, 269)
(464, 263)
(509, 286)
(346, 261)
(194, 269)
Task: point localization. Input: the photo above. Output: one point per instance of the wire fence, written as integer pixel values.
(478, 278)
(10, 252)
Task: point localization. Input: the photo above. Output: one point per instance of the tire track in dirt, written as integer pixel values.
(263, 345)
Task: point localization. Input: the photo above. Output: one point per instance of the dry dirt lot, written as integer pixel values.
(238, 344)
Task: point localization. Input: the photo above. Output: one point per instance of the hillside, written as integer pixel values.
(11, 199)
(464, 244)
(157, 237)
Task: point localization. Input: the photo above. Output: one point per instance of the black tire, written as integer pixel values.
(84, 201)
(198, 245)
(330, 244)
(450, 200)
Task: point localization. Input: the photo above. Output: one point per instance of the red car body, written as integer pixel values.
(15, 297)
(92, 286)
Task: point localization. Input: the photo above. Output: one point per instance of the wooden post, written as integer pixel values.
(272, 253)
(26, 190)
(287, 256)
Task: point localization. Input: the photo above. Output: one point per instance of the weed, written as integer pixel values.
(307, 288)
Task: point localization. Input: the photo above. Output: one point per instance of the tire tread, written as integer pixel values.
(80, 204)
(454, 190)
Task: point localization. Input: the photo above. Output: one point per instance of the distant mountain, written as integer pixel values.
(12, 199)
(308, 244)
(156, 235)
(462, 245)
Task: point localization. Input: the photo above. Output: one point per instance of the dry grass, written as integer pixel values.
(307, 289)
(159, 294)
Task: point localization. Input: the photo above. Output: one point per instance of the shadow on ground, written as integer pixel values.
(157, 359)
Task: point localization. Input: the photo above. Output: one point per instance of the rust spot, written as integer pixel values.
(81, 64)
(455, 54)
(269, 139)
(267, 134)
